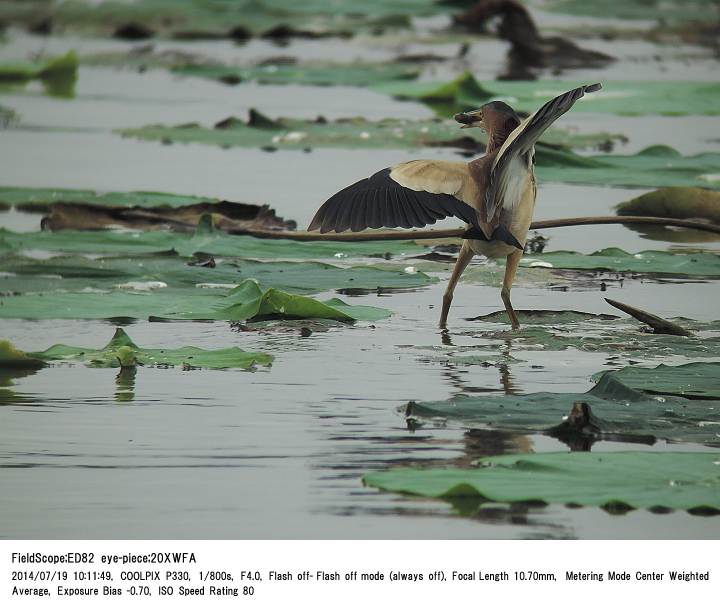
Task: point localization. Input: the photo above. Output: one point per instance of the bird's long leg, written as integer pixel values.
(463, 260)
(510, 269)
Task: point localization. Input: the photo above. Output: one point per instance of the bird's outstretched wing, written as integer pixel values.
(411, 194)
(520, 142)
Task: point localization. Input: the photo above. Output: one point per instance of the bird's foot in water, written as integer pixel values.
(445, 336)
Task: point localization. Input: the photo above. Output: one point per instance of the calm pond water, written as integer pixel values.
(279, 452)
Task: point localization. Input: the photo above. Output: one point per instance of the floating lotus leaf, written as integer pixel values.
(193, 19)
(58, 75)
(705, 264)
(276, 71)
(655, 166)
(222, 304)
(63, 66)
(547, 317)
(31, 275)
(213, 242)
(166, 285)
(617, 97)
(249, 301)
(676, 480)
(294, 134)
(619, 406)
(32, 199)
(350, 75)
(622, 338)
(297, 134)
(122, 351)
(464, 87)
(694, 380)
(636, 9)
(12, 357)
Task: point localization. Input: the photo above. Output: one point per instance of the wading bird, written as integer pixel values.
(494, 194)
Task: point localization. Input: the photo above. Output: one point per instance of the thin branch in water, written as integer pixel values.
(457, 233)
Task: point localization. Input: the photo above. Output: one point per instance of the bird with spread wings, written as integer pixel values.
(494, 194)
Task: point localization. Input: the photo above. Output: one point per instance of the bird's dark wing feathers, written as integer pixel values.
(522, 140)
(380, 201)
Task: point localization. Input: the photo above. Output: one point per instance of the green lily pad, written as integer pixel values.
(213, 242)
(348, 75)
(38, 199)
(12, 357)
(628, 98)
(58, 75)
(619, 405)
(623, 341)
(63, 66)
(685, 481)
(371, 8)
(653, 167)
(220, 304)
(546, 317)
(695, 380)
(704, 264)
(445, 97)
(617, 97)
(165, 285)
(637, 9)
(122, 351)
(294, 134)
(622, 338)
(142, 273)
(216, 19)
(675, 202)
(249, 301)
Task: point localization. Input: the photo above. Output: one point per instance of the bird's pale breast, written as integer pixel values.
(517, 215)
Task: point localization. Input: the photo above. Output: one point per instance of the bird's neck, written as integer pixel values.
(496, 139)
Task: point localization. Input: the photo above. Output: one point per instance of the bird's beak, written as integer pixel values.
(468, 119)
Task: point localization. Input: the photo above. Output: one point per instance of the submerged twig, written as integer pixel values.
(658, 324)
(401, 235)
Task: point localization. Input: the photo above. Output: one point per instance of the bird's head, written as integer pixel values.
(493, 116)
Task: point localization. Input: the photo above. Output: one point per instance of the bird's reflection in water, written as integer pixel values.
(454, 372)
(506, 380)
(125, 384)
(575, 434)
(479, 443)
(446, 338)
